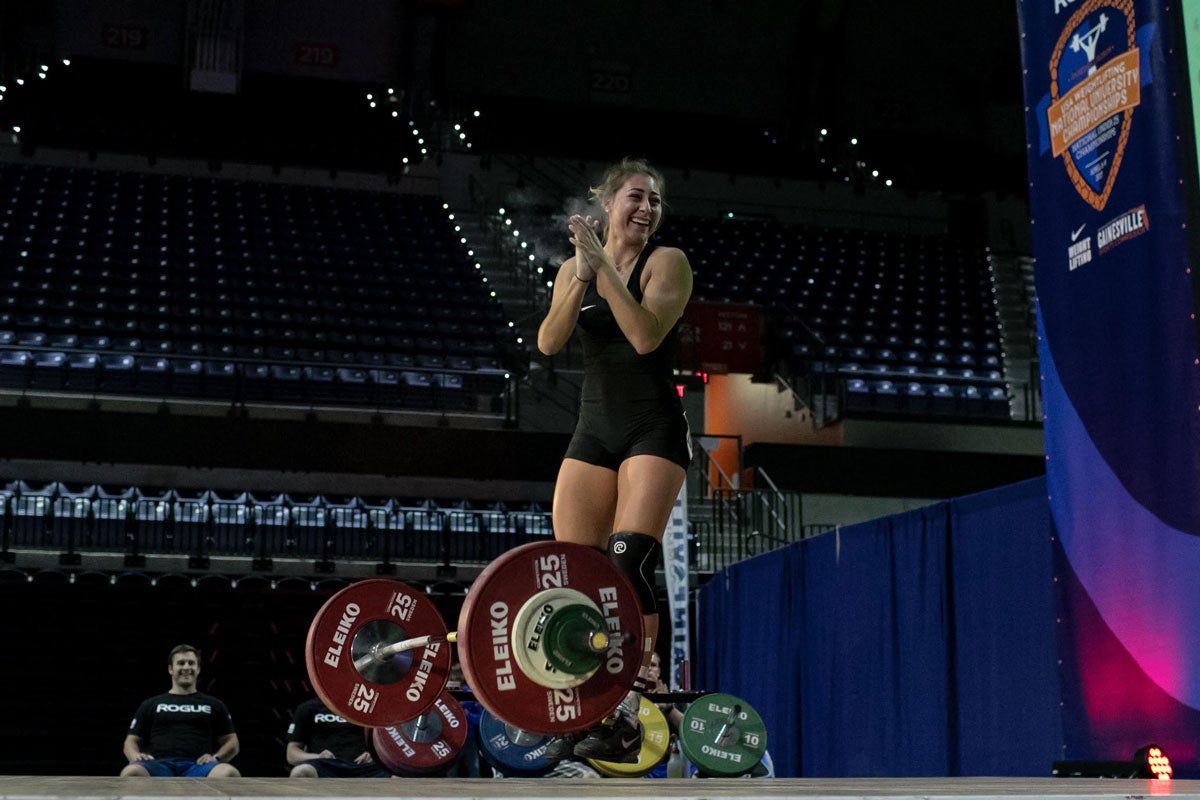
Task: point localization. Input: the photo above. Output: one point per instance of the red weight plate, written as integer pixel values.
(485, 637)
(361, 688)
(424, 745)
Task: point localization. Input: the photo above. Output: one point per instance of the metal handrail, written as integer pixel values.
(772, 508)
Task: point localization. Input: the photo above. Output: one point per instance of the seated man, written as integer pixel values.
(321, 744)
(182, 732)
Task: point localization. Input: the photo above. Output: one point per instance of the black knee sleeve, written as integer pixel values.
(637, 555)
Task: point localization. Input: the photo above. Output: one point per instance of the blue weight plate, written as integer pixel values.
(511, 751)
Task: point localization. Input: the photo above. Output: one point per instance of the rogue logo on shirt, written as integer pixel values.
(189, 708)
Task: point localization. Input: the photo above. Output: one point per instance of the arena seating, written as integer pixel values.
(903, 324)
(172, 285)
(140, 521)
(907, 322)
(182, 286)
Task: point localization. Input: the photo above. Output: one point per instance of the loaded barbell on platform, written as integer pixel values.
(550, 639)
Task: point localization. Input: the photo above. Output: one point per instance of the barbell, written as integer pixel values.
(549, 638)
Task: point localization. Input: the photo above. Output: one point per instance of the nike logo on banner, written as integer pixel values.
(1075, 234)
(585, 308)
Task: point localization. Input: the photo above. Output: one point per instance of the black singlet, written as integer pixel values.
(629, 405)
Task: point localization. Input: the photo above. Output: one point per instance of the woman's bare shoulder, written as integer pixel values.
(668, 261)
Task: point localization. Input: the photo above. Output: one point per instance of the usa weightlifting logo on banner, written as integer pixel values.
(1097, 71)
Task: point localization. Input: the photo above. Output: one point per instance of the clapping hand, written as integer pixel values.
(588, 249)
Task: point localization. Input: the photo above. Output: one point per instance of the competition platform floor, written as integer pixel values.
(108, 788)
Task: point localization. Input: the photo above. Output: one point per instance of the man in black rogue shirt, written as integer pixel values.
(183, 732)
(320, 744)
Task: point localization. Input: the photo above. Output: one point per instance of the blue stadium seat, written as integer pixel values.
(973, 403)
(69, 515)
(499, 532)
(220, 379)
(388, 529)
(192, 520)
(49, 370)
(150, 518)
(310, 526)
(425, 524)
(154, 374)
(287, 383)
(997, 403)
(465, 542)
(232, 532)
(350, 529)
(916, 398)
(271, 517)
(943, 400)
(16, 368)
(886, 396)
(111, 512)
(858, 395)
(31, 508)
(117, 373)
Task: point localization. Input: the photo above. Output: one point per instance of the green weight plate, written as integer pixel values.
(722, 735)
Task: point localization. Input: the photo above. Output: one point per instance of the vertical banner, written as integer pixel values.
(1107, 127)
(675, 570)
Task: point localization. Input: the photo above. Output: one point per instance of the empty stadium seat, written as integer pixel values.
(110, 512)
(232, 531)
(31, 509)
(315, 305)
(310, 526)
(192, 525)
(350, 529)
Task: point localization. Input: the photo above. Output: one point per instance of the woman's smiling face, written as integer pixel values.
(636, 209)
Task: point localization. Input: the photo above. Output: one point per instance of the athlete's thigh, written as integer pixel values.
(646, 490)
(585, 497)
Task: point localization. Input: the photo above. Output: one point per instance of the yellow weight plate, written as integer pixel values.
(656, 736)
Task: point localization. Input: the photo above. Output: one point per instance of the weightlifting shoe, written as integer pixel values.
(560, 748)
(617, 739)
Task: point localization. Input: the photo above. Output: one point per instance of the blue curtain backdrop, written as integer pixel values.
(915, 645)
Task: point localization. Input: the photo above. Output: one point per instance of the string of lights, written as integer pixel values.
(478, 265)
(20, 83)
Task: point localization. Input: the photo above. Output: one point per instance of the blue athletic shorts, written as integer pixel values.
(177, 768)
